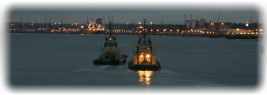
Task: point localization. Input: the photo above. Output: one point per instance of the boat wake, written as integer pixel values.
(98, 68)
(88, 68)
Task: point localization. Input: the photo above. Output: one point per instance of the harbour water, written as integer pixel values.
(48, 60)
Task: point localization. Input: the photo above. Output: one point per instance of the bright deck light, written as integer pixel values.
(147, 55)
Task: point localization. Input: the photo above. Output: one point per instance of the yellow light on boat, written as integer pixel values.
(141, 56)
(147, 55)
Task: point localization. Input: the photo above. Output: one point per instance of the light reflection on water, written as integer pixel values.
(145, 77)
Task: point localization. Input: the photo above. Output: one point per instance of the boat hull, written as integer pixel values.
(242, 37)
(143, 66)
(108, 62)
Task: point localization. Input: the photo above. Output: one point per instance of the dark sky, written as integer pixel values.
(125, 12)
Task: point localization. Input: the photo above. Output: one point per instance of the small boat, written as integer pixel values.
(110, 53)
(144, 58)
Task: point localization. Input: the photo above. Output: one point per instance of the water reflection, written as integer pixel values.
(145, 77)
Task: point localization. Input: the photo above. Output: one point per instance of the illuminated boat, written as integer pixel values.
(144, 58)
(110, 53)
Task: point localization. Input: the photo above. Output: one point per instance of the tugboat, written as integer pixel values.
(144, 58)
(110, 53)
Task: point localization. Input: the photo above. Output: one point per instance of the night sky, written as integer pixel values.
(166, 13)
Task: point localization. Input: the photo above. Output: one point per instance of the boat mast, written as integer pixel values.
(45, 23)
(35, 25)
(49, 24)
(257, 23)
(61, 30)
(132, 25)
(87, 21)
(21, 24)
(109, 28)
(104, 25)
(190, 23)
(185, 23)
(144, 31)
(218, 22)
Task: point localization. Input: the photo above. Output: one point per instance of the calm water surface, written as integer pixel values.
(66, 60)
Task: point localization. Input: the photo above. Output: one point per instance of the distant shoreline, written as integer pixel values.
(182, 35)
